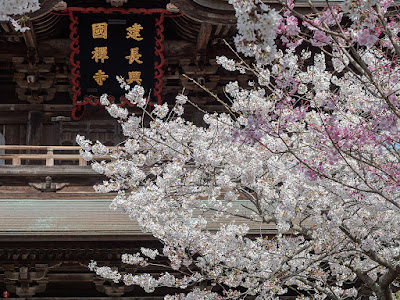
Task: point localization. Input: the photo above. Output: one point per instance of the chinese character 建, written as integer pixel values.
(100, 53)
(133, 32)
(134, 76)
(100, 77)
(134, 56)
(99, 30)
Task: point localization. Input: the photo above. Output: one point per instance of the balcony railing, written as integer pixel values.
(17, 155)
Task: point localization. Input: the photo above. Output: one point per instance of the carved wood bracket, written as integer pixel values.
(26, 281)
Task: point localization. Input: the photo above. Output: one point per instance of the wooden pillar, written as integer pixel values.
(2, 151)
(34, 128)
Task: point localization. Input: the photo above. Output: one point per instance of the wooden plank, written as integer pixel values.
(40, 156)
(17, 171)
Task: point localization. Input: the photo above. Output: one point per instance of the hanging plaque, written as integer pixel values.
(107, 43)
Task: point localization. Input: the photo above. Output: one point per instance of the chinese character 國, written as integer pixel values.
(134, 56)
(133, 32)
(134, 76)
(100, 77)
(99, 30)
(100, 53)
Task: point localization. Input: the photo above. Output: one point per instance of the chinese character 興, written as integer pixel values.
(134, 76)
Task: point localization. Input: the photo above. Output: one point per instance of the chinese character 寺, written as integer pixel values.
(134, 76)
(100, 77)
(100, 53)
(133, 32)
(134, 56)
(99, 30)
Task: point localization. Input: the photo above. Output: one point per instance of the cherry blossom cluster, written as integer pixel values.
(9, 9)
(310, 149)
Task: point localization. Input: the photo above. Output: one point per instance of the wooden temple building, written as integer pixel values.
(51, 221)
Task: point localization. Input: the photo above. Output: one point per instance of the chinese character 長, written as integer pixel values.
(99, 30)
(134, 56)
(100, 77)
(134, 76)
(133, 32)
(100, 53)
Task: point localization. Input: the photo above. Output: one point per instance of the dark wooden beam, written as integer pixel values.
(210, 11)
(31, 46)
(204, 37)
(45, 7)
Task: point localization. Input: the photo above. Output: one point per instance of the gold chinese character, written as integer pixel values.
(133, 32)
(100, 53)
(99, 30)
(100, 77)
(134, 56)
(134, 76)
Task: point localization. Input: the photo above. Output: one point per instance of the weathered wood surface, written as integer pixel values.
(34, 171)
(85, 217)
(62, 216)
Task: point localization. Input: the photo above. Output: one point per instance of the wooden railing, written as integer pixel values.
(47, 154)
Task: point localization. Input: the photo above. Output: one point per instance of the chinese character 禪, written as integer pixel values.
(133, 32)
(99, 30)
(134, 76)
(100, 53)
(134, 56)
(100, 77)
